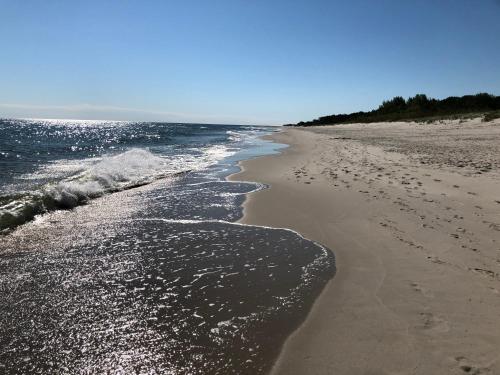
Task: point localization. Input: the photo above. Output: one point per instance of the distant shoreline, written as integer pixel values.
(419, 108)
(411, 213)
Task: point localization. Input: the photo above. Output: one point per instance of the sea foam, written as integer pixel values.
(108, 174)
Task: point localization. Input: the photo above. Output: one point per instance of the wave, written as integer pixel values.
(109, 174)
(237, 136)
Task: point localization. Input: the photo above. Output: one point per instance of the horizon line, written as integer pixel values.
(132, 121)
(184, 118)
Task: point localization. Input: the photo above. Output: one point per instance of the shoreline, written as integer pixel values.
(417, 286)
(158, 253)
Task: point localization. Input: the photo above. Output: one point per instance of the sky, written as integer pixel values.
(240, 62)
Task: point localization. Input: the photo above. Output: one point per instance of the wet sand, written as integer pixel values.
(412, 213)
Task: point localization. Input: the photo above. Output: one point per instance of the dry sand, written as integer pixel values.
(412, 213)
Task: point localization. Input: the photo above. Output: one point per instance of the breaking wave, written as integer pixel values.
(94, 178)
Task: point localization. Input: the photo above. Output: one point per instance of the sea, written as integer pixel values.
(121, 251)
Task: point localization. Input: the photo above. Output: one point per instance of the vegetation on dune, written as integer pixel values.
(490, 116)
(419, 107)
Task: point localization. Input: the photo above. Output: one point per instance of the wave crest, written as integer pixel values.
(129, 169)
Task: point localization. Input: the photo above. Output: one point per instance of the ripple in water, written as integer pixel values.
(164, 297)
(157, 279)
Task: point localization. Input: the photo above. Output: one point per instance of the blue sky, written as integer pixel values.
(265, 62)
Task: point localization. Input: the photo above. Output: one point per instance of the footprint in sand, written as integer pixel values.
(418, 288)
(495, 226)
(434, 323)
(466, 367)
(487, 273)
(436, 260)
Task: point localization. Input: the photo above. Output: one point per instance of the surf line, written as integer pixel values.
(197, 222)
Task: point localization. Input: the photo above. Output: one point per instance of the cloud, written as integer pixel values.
(105, 112)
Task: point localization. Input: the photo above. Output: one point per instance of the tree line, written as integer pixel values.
(414, 108)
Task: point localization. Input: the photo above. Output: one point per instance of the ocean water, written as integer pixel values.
(120, 252)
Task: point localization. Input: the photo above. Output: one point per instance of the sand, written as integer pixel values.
(412, 214)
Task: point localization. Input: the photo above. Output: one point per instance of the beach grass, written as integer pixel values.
(490, 116)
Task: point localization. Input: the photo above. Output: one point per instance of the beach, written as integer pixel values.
(412, 213)
(120, 252)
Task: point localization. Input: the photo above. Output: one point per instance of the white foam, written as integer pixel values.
(110, 173)
(235, 136)
(135, 164)
(93, 177)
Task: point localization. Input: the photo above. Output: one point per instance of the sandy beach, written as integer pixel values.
(412, 214)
